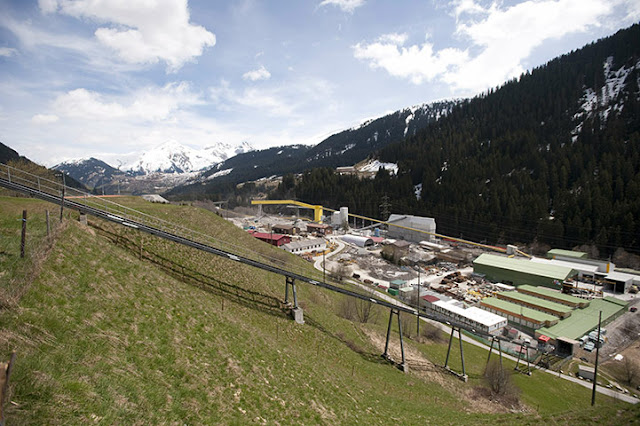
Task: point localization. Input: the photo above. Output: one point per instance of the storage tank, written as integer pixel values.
(344, 215)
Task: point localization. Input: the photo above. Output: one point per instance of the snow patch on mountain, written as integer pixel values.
(376, 165)
(220, 173)
(606, 99)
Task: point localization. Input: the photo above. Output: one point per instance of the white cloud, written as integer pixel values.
(7, 51)
(500, 37)
(346, 5)
(147, 104)
(143, 32)
(44, 118)
(260, 74)
(417, 63)
(293, 100)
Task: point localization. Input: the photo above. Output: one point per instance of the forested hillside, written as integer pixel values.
(345, 148)
(553, 156)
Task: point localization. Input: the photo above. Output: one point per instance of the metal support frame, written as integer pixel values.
(290, 281)
(462, 376)
(385, 355)
(491, 349)
(523, 347)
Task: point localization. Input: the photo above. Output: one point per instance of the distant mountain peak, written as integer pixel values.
(173, 157)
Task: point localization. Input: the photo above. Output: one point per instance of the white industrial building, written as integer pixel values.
(305, 246)
(475, 318)
(424, 227)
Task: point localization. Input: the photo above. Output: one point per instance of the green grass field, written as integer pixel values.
(115, 327)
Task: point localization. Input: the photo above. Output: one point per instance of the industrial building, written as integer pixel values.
(518, 314)
(519, 271)
(553, 296)
(285, 229)
(478, 319)
(425, 224)
(582, 321)
(319, 228)
(305, 246)
(536, 303)
(273, 239)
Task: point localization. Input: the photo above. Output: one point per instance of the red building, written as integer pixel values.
(273, 239)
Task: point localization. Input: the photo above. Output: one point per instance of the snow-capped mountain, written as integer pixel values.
(172, 157)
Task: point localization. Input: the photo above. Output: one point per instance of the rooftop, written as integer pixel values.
(573, 265)
(304, 243)
(517, 309)
(584, 320)
(481, 316)
(536, 301)
(268, 236)
(524, 266)
(567, 253)
(544, 291)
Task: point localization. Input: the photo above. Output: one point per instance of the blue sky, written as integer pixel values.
(113, 78)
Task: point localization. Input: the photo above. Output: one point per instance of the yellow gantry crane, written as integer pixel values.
(317, 210)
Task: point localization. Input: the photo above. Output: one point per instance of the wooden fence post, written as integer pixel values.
(24, 232)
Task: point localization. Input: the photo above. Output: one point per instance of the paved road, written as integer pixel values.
(600, 389)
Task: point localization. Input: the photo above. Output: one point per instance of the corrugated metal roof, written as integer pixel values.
(584, 320)
(515, 309)
(524, 266)
(573, 265)
(552, 293)
(302, 244)
(567, 253)
(536, 301)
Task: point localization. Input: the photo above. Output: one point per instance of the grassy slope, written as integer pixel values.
(104, 336)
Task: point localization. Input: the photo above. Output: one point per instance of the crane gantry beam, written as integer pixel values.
(317, 210)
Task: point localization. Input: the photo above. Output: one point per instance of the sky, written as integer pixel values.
(114, 78)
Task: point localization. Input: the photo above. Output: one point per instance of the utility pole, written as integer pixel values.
(24, 232)
(595, 371)
(324, 280)
(64, 184)
(418, 317)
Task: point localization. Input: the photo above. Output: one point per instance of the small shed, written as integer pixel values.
(285, 229)
(398, 284)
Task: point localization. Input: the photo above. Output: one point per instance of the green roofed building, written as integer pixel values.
(582, 321)
(553, 296)
(518, 314)
(551, 254)
(520, 271)
(542, 305)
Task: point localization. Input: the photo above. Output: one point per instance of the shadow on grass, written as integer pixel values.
(248, 298)
(376, 358)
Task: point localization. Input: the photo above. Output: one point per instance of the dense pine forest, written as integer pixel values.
(552, 157)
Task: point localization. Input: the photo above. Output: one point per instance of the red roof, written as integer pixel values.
(544, 338)
(430, 299)
(268, 236)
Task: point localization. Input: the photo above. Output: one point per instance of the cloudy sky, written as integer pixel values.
(107, 78)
